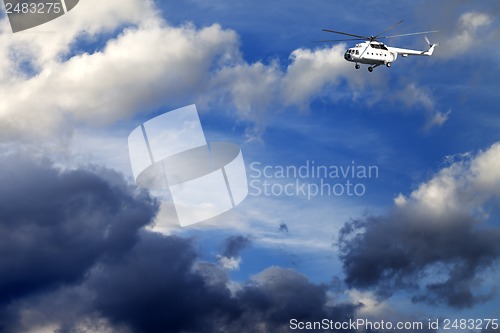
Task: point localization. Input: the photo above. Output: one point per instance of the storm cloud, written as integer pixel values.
(76, 258)
(55, 225)
(156, 290)
(400, 251)
(436, 243)
(233, 245)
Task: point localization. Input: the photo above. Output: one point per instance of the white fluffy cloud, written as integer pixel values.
(47, 84)
(230, 263)
(255, 90)
(250, 88)
(462, 187)
(310, 71)
(44, 85)
(145, 65)
(485, 171)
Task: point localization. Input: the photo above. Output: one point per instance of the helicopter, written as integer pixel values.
(375, 53)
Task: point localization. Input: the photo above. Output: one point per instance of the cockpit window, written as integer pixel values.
(378, 46)
(357, 52)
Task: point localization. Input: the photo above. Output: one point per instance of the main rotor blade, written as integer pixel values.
(410, 34)
(345, 33)
(337, 40)
(391, 27)
(366, 48)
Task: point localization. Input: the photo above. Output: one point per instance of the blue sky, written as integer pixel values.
(429, 124)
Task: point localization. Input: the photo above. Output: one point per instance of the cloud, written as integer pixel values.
(310, 71)
(251, 89)
(56, 225)
(160, 287)
(464, 186)
(413, 96)
(277, 295)
(466, 34)
(258, 91)
(372, 309)
(154, 63)
(434, 243)
(145, 65)
(50, 85)
(233, 245)
(177, 299)
(55, 39)
(155, 290)
(485, 172)
(77, 258)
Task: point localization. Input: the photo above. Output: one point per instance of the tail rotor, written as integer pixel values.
(431, 46)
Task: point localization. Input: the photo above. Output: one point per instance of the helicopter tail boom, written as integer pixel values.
(407, 52)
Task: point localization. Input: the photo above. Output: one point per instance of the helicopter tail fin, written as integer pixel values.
(430, 51)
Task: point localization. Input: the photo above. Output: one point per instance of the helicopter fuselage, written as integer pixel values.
(376, 53)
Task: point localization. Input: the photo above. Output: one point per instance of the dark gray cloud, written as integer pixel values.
(155, 289)
(233, 245)
(279, 294)
(437, 259)
(56, 225)
(74, 253)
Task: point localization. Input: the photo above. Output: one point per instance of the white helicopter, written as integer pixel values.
(375, 53)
